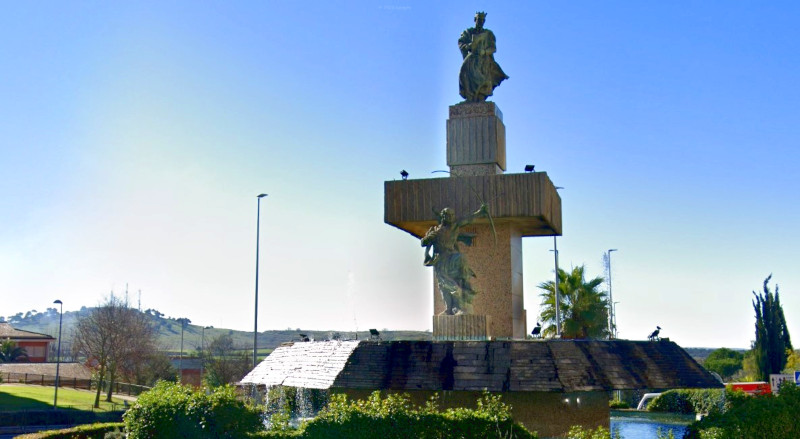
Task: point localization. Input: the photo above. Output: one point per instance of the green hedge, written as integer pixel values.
(394, 417)
(56, 417)
(767, 416)
(93, 431)
(615, 404)
(171, 410)
(688, 401)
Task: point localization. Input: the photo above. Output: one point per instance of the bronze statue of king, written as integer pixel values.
(480, 73)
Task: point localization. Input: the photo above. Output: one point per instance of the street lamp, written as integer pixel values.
(612, 324)
(180, 359)
(203, 349)
(58, 352)
(255, 319)
(558, 296)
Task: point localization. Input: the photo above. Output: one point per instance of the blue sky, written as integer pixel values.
(135, 136)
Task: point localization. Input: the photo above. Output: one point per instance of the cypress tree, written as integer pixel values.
(772, 335)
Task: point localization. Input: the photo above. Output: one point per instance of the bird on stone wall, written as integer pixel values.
(537, 330)
(654, 335)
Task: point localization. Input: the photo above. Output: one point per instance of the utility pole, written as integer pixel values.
(612, 322)
(558, 296)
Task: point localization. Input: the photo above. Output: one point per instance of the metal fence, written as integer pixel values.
(75, 383)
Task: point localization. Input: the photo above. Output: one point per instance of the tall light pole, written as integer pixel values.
(180, 359)
(58, 352)
(558, 296)
(255, 319)
(203, 350)
(612, 324)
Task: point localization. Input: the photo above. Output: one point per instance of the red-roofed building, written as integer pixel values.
(36, 345)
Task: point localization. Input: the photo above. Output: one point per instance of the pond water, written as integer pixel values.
(644, 425)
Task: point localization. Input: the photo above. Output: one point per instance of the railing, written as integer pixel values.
(75, 383)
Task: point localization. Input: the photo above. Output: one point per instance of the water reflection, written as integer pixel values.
(643, 425)
(638, 429)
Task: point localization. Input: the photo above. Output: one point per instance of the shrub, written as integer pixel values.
(395, 417)
(116, 434)
(171, 410)
(618, 404)
(93, 431)
(766, 416)
(579, 432)
(688, 401)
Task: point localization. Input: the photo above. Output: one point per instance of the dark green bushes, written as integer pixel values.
(688, 401)
(395, 417)
(616, 404)
(93, 431)
(170, 410)
(773, 417)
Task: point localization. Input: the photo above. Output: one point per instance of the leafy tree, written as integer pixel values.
(726, 362)
(9, 352)
(583, 308)
(792, 361)
(772, 335)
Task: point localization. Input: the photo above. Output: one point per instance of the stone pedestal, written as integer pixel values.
(476, 139)
(498, 281)
(463, 327)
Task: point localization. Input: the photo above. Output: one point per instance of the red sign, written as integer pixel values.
(754, 388)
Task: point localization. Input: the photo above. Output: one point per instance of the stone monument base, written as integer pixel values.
(476, 139)
(472, 327)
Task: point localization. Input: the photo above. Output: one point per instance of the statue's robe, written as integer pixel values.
(480, 73)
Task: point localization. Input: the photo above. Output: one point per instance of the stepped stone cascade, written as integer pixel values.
(551, 385)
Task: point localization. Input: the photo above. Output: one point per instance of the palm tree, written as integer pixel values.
(584, 309)
(9, 351)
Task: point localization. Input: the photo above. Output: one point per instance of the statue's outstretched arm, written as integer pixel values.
(482, 211)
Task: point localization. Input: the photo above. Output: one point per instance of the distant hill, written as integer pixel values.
(169, 331)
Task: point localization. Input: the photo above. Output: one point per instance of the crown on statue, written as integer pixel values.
(481, 14)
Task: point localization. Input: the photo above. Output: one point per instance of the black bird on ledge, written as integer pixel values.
(654, 335)
(537, 330)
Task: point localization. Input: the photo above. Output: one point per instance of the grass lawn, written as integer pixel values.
(22, 397)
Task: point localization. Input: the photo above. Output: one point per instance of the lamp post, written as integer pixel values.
(180, 359)
(203, 350)
(255, 319)
(558, 296)
(58, 352)
(612, 324)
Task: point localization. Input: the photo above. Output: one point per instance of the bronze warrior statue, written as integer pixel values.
(479, 74)
(450, 266)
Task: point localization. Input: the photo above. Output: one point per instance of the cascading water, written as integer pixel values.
(298, 403)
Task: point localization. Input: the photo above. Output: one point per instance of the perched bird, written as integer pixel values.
(537, 330)
(654, 335)
(404, 174)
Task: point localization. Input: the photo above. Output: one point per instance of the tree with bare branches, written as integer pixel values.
(115, 338)
(225, 363)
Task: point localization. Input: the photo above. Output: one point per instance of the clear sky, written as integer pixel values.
(135, 137)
